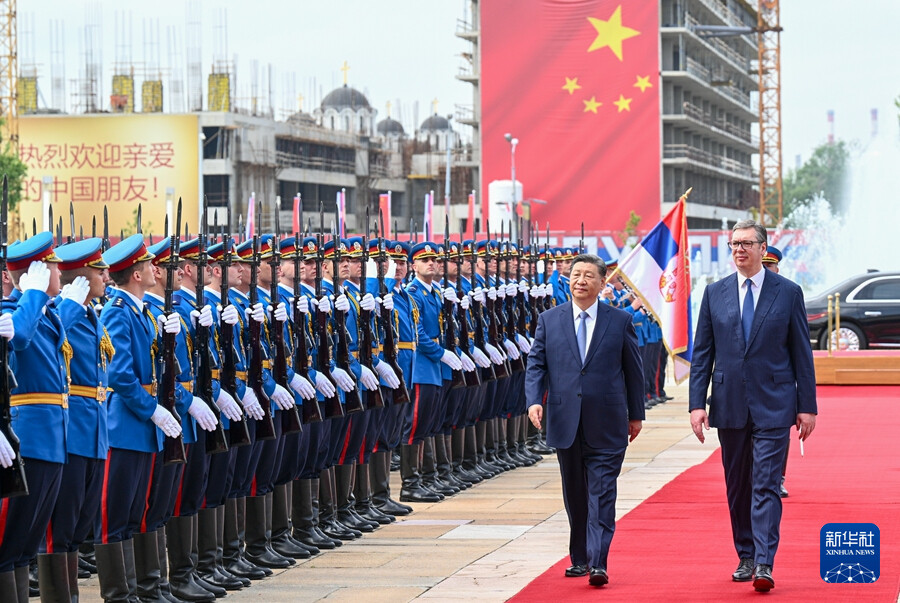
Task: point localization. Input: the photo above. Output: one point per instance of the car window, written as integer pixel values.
(880, 290)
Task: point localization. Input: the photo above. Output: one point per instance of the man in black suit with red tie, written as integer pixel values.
(585, 356)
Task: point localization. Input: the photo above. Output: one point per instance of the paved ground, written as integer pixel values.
(483, 544)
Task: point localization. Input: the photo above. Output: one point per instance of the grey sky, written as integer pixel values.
(835, 55)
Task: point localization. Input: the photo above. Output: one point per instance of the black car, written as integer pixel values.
(870, 312)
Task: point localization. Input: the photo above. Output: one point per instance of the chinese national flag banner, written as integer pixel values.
(577, 82)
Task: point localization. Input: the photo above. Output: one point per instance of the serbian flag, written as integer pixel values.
(251, 213)
(577, 82)
(659, 271)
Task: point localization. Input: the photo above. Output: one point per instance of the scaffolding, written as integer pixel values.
(8, 73)
(771, 203)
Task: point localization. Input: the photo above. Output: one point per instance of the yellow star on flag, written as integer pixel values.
(611, 33)
(643, 83)
(591, 105)
(571, 84)
(624, 104)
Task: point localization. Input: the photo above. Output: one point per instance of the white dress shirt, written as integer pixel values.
(756, 282)
(590, 321)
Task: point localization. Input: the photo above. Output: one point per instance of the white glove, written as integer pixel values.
(6, 452)
(228, 406)
(77, 290)
(492, 293)
(511, 349)
(6, 326)
(450, 295)
(523, 287)
(282, 398)
(480, 357)
(204, 317)
(229, 315)
(343, 380)
(324, 385)
(368, 378)
(257, 313)
(465, 302)
(251, 405)
(387, 375)
(467, 363)
(342, 303)
(303, 304)
(501, 291)
(324, 305)
(367, 303)
(165, 421)
(172, 323)
(451, 360)
(478, 295)
(280, 313)
(537, 291)
(202, 414)
(388, 301)
(548, 289)
(494, 353)
(512, 289)
(523, 343)
(37, 277)
(303, 387)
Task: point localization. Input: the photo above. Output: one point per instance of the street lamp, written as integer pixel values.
(513, 142)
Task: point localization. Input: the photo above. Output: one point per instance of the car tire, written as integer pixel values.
(851, 332)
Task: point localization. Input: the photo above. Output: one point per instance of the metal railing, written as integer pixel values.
(685, 151)
(326, 164)
(696, 113)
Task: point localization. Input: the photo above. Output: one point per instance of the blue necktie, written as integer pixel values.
(581, 335)
(747, 314)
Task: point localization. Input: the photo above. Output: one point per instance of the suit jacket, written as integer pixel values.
(603, 394)
(771, 378)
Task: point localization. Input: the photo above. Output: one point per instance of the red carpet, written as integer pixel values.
(676, 546)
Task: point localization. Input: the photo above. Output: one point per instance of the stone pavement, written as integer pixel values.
(487, 542)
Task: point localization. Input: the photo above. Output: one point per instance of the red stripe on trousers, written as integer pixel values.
(415, 421)
(147, 498)
(50, 537)
(253, 487)
(346, 441)
(177, 511)
(4, 507)
(104, 511)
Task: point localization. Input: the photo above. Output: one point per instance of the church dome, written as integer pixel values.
(389, 126)
(435, 123)
(345, 97)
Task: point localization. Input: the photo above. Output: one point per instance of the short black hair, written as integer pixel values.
(121, 277)
(590, 258)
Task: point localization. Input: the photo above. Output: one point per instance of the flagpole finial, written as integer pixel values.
(687, 192)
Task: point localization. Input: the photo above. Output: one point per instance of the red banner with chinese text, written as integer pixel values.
(577, 82)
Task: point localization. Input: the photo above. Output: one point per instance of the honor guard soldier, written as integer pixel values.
(39, 355)
(138, 424)
(81, 266)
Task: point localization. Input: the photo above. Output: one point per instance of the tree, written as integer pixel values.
(823, 173)
(15, 170)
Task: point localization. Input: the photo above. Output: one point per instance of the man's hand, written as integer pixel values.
(251, 405)
(700, 421)
(634, 428)
(806, 422)
(536, 413)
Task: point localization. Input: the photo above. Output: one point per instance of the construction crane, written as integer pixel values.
(768, 42)
(9, 70)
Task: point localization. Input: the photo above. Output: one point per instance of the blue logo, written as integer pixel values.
(850, 552)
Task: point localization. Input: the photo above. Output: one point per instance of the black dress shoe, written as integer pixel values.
(744, 571)
(576, 571)
(598, 577)
(763, 581)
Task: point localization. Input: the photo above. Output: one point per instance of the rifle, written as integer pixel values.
(373, 398)
(532, 279)
(456, 377)
(521, 310)
(352, 399)
(238, 432)
(265, 427)
(500, 370)
(216, 441)
(173, 448)
(12, 479)
(487, 374)
(312, 413)
(548, 300)
(512, 311)
(333, 406)
(104, 245)
(72, 223)
(389, 349)
(472, 378)
(290, 419)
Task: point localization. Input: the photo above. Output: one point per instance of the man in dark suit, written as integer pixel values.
(752, 341)
(585, 356)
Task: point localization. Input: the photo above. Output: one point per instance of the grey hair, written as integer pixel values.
(590, 258)
(761, 234)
